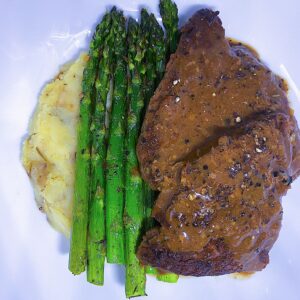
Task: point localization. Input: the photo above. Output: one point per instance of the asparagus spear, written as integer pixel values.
(155, 61)
(158, 43)
(151, 270)
(96, 229)
(77, 258)
(115, 152)
(134, 202)
(169, 13)
(148, 89)
(167, 277)
(150, 74)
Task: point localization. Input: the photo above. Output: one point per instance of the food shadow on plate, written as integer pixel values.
(63, 244)
(119, 273)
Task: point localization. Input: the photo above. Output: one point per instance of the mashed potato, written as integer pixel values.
(49, 150)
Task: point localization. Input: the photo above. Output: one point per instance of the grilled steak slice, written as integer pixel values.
(225, 214)
(209, 84)
(220, 143)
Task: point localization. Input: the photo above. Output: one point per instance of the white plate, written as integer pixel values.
(37, 37)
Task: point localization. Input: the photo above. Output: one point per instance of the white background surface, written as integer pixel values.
(36, 37)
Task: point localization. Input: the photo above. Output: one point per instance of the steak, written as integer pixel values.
(220, 143)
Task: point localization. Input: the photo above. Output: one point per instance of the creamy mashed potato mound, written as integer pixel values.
(49, 150)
